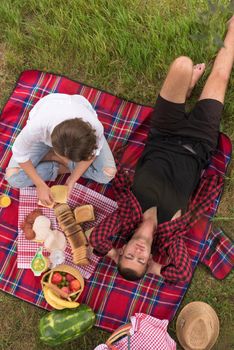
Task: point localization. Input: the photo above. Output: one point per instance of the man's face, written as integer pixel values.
(136, 255)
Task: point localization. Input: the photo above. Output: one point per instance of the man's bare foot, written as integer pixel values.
(52, 157)
(198, 70)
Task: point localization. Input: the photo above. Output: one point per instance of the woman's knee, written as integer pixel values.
(108, 174)
(183, 64)
(13, 182)
(14, 177)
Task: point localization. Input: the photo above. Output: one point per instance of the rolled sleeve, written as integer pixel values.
(179, 269)
(101, 237)
(23, 143)
(100, 140)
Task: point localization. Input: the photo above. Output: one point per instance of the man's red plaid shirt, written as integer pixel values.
(168, 239)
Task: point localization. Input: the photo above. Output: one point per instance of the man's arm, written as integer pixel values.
(101, 236)
(122, 221)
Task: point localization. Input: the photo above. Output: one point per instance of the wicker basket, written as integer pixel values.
(68, 269)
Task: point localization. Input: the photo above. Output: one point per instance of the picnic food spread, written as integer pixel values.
(74, 232)
(58, 327)
(59, 194)
(62, 286)
(37, 227)
(27, 225)
(39, 263)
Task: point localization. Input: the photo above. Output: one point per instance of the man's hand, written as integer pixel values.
(88, 232)
(154, 268)
(114, 255)
(44, 194)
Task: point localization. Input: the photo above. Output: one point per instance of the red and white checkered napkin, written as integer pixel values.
(80, 195)
(147, 333)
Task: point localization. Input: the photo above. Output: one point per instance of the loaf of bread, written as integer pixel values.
(80, 256)
(74, 234)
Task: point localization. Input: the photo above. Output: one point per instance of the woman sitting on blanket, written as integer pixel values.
(62, 135)
(178, 148)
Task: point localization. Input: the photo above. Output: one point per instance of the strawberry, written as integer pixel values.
(69, 277)
(66, 290)
(75, 285)
(56, 278)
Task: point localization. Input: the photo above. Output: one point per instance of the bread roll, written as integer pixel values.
(59, 193)
(84, 213)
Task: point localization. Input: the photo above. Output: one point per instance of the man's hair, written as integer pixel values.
(74, 139)
(129, 274)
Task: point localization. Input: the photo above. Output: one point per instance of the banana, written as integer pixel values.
(61, 302)
(49, 300)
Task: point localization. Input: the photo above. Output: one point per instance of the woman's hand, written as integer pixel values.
(45, 195)
(70, 184)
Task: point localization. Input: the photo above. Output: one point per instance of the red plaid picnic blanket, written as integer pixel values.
(126, 124)
(218, 254)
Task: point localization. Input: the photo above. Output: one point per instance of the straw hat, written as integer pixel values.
(197, 326)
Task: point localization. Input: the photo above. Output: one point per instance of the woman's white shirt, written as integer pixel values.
(46, 114)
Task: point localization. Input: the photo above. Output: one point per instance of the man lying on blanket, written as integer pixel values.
(179, 146)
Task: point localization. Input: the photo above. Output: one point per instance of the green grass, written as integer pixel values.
(125, 47)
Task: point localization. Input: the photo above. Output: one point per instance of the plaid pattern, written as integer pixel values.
(145, 330)
(122, 221)
(80, 195)
(169, 235)
(218, 254)
(126, 124)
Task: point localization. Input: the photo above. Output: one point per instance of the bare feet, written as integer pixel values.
(198, 70)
